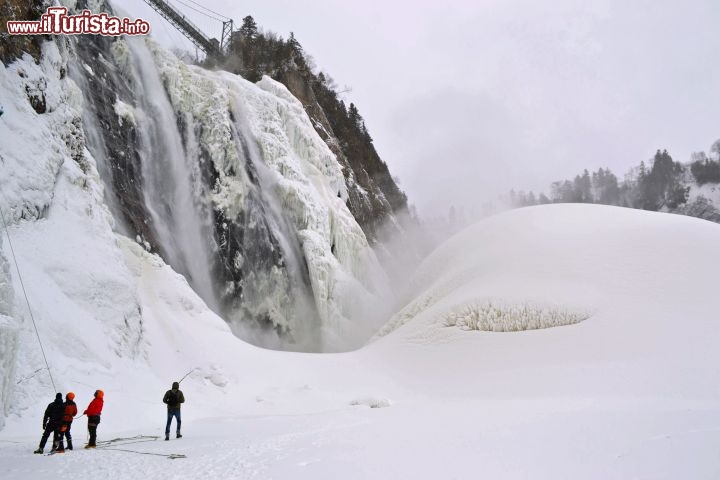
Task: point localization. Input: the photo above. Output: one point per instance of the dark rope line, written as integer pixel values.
(22, 284)
(112, 444)
(171, 456)
(28, 377)
(188, 373)
(126, 443)
(142, 438)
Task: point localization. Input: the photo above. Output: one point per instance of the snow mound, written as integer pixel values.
(555, 265)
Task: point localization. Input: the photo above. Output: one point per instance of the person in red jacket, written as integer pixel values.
(93, 412)
(68, 417)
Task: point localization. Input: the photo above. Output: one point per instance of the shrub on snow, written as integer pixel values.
(497, 317)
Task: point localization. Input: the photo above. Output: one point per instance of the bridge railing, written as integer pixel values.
(185, 26)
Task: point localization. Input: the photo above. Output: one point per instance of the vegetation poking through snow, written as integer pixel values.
(496, 317)
(372, 402)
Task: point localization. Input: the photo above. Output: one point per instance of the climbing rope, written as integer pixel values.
(28, 377)
(112, 444)
(126, 440)
(171, 456)
(22, 284)
(188, 373)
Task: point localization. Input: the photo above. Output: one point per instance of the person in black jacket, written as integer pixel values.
(52, 421)
(173, 399)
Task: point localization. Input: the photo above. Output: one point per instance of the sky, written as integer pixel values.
(468, 99)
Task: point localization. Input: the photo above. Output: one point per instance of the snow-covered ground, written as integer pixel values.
(630, 392)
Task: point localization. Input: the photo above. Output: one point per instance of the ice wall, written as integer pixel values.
(80, 290)
(8, 335)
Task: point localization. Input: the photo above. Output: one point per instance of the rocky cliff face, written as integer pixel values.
(374, 198)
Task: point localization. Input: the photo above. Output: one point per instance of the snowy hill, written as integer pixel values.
(553, 256)
(629, 391)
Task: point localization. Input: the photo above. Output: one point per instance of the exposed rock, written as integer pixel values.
(13, 46)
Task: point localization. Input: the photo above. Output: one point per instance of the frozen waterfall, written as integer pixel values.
(174, 193)
(229, 182)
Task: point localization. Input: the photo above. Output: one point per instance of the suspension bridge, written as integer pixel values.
(211, 46)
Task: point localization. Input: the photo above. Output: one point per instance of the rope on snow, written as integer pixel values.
(111, 445)
(171, 456)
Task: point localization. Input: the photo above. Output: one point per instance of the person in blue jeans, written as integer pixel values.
(173, 399)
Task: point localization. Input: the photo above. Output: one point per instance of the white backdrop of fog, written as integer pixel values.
(466, 100)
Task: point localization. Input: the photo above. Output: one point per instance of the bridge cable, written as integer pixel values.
(203, 6)
(199, 11)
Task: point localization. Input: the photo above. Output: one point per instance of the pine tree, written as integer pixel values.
(582, 186)
(530, 199)
(586, 184)
(248, 29)
(294, 45)
(365, 133)
(354, 115)
(662, 186)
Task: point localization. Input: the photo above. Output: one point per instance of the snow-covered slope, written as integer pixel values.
(553, 257)
(630, 392)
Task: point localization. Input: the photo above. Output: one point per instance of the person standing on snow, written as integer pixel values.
(68, 417)
(93, 412)
(173, 399)
(52, 422)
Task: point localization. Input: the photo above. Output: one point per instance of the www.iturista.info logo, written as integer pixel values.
(57, 22)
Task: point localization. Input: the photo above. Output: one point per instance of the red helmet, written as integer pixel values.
(70, 396)
(99, 393)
